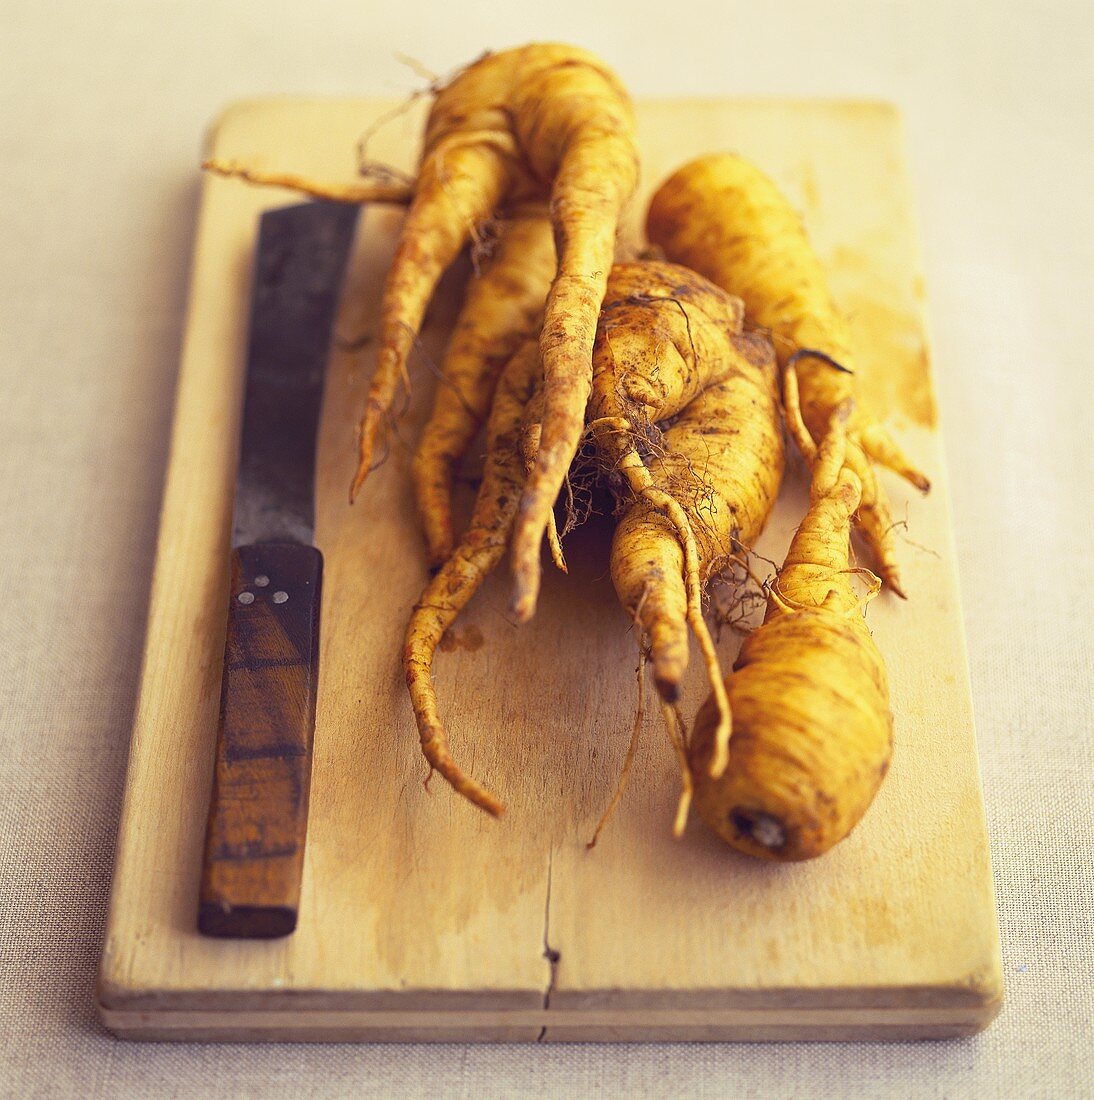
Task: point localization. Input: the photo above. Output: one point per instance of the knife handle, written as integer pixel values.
(258, 812)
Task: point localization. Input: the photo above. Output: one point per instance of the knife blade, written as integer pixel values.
(258, 808)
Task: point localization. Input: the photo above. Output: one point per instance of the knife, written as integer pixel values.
(258, 810)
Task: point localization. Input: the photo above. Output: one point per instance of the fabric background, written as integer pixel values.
(104, 107)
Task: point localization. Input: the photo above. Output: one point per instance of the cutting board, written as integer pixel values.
(422, 919)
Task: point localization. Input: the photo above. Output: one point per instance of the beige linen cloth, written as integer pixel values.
(104, 106)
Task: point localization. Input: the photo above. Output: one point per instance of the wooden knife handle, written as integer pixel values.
(258, 813)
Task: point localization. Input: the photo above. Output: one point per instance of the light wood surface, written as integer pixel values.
(421, 918)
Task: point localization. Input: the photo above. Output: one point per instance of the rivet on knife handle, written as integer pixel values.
(258, 819)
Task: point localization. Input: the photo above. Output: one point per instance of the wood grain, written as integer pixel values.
(421, 918)
(258, 807)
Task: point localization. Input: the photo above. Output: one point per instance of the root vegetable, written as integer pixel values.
(695, 495)
(504, 305)
(477, 554)
(723, 217)
(812, 732)
(539, 122)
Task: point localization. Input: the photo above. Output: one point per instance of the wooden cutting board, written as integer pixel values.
(420, 917)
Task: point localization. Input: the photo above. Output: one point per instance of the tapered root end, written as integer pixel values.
(364, 460)
(439, 547)
(526, 594)
(895, 584)
(558, 558)
(668, 643)
(432, 477)
(491, 805)
(683, 808)
(555, 544)
(434, 744)
(723, 726)
(464, 785)
(719, 759)
(532, 525)
(892, 457)
(524, 608)
(485, 801)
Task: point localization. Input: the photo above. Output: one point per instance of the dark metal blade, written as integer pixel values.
(299, 264)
